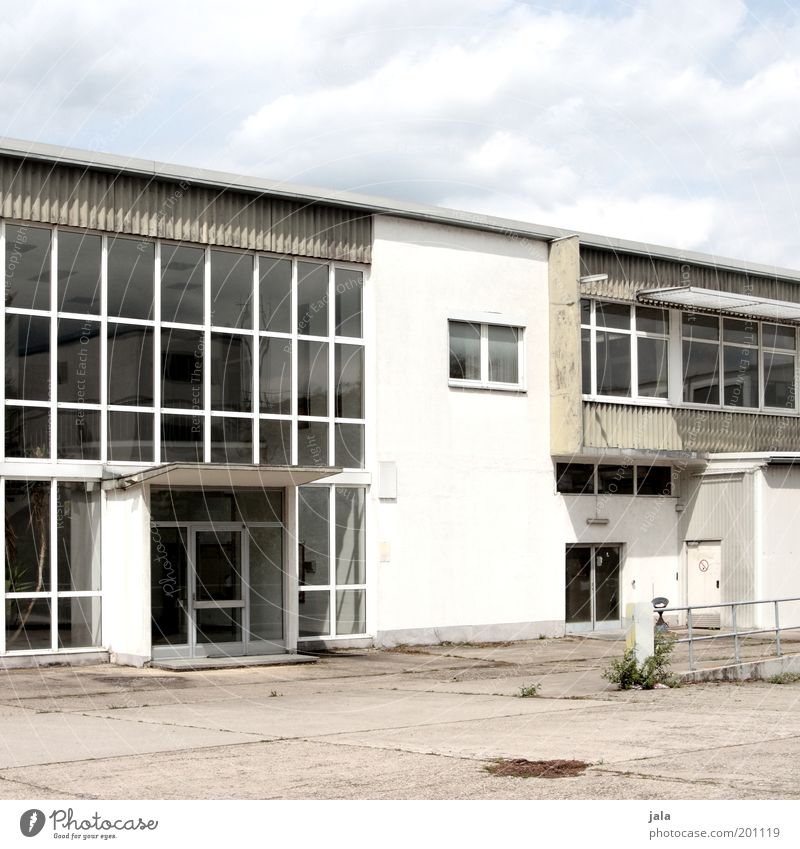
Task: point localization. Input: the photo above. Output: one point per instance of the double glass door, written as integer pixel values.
(217, 589)
(593, 587)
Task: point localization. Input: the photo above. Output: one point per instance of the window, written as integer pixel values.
(613, 479)
(738, 363)
(485, 355)
(624, 350)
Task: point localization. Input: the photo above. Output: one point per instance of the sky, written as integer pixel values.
(670, 121)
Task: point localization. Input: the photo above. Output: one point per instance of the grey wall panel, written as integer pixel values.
(723, 507)
(611, 426)
(629, 273)
(106, 201)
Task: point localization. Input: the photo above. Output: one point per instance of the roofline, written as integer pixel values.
(368, 203)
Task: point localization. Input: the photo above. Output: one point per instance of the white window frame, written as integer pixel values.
(480, 321)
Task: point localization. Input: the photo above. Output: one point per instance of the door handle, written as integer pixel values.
(717, 584)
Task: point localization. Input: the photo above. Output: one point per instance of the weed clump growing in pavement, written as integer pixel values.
(529, 691)
(629, 674)
(784, 678)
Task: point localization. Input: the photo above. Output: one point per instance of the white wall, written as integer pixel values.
(780, 542)
(469, 539)
(126, 575)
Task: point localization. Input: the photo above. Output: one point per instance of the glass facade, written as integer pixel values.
(142, 351)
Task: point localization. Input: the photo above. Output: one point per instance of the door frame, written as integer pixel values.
(593, 624)
(246, 646)
(710, 620)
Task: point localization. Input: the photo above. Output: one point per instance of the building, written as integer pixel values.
(245, 418)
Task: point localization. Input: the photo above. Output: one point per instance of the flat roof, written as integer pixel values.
(367, 203)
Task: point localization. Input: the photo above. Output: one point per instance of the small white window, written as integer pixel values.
(485, 355)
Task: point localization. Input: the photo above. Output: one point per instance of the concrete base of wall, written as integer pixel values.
(499, 633)
(758, 670)
(331, 645)
(122, 659)
(32, 661)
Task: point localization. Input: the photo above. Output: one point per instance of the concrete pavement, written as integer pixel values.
(414, 723)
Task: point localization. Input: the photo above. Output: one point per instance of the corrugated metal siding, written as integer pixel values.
(674, 429)
(98, 200)
(629, 273)
(723, 507)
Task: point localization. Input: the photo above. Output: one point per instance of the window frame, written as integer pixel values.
(483, 382)
(595, 490)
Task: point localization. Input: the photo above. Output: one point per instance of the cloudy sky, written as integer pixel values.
(672, 121)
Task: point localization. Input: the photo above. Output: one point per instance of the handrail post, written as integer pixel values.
(689, 627)
(735, 633)
(777, 629)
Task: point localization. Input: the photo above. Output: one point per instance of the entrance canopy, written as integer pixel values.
(222, 475)
(750, 306)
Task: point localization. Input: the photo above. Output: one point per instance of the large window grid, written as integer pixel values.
(52, 590)
(261, 386)
(632, 353)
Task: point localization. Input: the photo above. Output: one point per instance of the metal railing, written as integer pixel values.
(734, 633)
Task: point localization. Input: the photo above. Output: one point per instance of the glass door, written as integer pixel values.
(219, 581)
(592, 587)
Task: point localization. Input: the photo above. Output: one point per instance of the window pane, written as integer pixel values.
(231, 289)
(78, 536)
(27, 358)
(182, 369)
(586, 362)
(741, 376)
(743, 332)
(649, 320)
(259, 505)
(349, 376)
(613, 364)
(131, 264)
(231, 440)
(28, 554)
(615, 480)
(78, 435)
(78, 361)
(348, 302)
(27, 432)
(266, 583)
(465, 351)
(28, 624)
(653, 367)
(350, 547)
(312, 299)
(275, 376)
(276, 442)
(503, 354)
(79, 622)
(779, 336)
(349, 446)
(314, 614)
(312, 378)
(275, 294)
(313, 527)
(351, 612)
(575, 478)
(182, 274)
(779, 380)
(168, 578)
(700, 373)
(698, 326)
(586, 311)
(130, 437)
(27, 267)
(130, 365)
(654, 480)
(79, 273)
(182, 438)
(617, 316)
(231, 373)
(312, 443)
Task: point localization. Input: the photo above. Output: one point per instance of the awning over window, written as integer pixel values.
(221, 475)
(694, 298)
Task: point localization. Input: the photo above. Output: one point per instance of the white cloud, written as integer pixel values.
(670, 121)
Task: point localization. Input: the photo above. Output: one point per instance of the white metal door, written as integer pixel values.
(704, 577)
